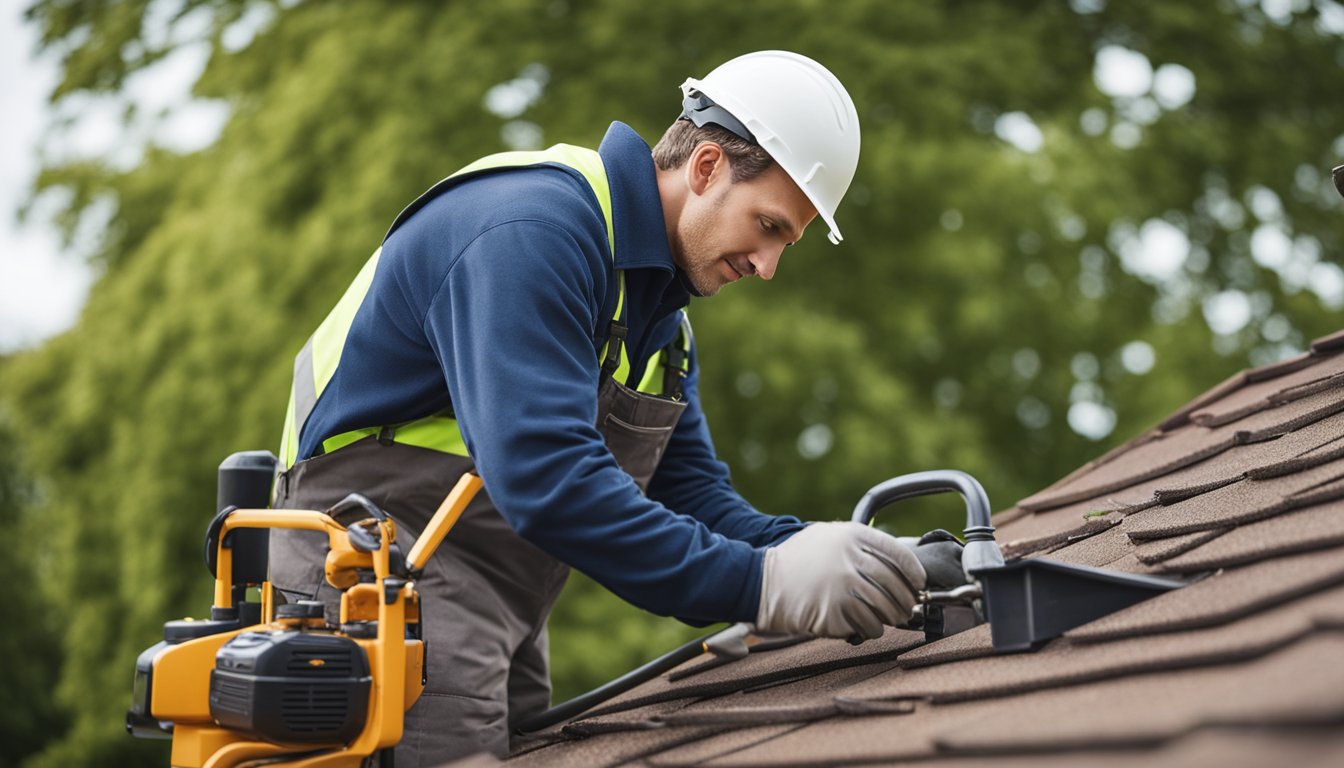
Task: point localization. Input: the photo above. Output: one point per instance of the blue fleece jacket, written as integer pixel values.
(493, 298)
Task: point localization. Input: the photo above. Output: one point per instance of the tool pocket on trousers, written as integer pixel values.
(637, 449)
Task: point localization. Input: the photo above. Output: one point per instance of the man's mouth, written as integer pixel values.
(737, 274)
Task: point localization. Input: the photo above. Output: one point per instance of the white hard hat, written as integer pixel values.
(795, 109)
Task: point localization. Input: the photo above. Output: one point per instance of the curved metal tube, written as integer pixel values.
(981, 550)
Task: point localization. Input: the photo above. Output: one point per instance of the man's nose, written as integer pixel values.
(764, 261)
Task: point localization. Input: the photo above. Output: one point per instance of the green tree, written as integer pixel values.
(994, 276)
(29, 640)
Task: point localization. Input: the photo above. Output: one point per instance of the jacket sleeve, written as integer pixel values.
(512, 324)
(691, 480)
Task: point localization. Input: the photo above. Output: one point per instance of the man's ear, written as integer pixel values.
(707, 165)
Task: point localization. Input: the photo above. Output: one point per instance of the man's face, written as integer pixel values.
(729, 230)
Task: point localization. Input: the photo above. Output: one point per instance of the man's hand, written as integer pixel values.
(838, 580)
(940, 554)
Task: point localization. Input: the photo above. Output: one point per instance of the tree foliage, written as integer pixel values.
(30, 714)
(987, 286)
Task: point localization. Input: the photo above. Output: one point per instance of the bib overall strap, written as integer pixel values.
(676, 360)
(615, 347)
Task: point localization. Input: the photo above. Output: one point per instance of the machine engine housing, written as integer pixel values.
(291, 686)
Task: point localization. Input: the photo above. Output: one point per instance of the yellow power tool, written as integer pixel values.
(272, 684)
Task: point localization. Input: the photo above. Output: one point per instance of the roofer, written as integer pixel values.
(524, 317)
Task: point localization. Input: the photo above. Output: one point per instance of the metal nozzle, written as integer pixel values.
(963, 595)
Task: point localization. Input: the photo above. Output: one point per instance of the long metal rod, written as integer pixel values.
(564, 711)
(726, 642)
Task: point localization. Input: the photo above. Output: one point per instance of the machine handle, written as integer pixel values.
(354, 508)
(443, 521)
(363, 539)
(926, 484)
(981, 550)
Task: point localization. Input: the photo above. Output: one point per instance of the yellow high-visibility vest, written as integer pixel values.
(316, 363)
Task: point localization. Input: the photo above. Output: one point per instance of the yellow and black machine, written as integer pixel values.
(261, 683)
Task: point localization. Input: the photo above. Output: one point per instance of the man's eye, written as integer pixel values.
(767, 225)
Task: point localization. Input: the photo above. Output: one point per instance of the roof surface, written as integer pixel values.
(1241, 492)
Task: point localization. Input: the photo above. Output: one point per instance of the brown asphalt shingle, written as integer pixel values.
(1097, 551)
(1251, 499)
(1314, 444)
(1314, 746)
(971, 644)
(1310, 529)
(1154, 551)
(1063, 663)
(1222, 597)
(1189, 445)
(1165, 453)
(1262, 395)
(696, 753)
(1159, 707)
(756, 669)
(800, 701)
(614, 748)
(1241, 493)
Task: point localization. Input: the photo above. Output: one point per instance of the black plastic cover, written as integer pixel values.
(1028, 602)
(291, 686)
(364, 630)
(245, 480)
(140, 720)
(354, 508)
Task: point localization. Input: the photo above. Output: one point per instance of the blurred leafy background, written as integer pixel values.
(1069, 219)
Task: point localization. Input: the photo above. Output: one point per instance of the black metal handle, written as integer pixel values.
(364, 539)
(981, 550)
(354, 508)
(212, 532)
(926, 484)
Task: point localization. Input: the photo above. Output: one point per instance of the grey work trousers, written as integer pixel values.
(485, 594)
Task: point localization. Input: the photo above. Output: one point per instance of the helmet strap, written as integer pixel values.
(702, 111)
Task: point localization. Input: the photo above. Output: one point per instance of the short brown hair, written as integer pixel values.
(746, 159)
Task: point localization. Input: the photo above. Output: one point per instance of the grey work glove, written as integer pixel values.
(940, 554)
(838, 580)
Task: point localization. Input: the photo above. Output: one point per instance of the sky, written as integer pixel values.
(43, 284)
(41, 290)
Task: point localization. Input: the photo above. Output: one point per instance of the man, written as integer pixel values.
(524, 319)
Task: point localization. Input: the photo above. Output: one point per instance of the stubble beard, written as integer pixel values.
(700, 271)
(700, 261)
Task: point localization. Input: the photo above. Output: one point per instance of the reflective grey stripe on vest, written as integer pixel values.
(305, 385)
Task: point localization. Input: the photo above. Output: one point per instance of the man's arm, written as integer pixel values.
(692, 481)
(837, 579)
(512, 324)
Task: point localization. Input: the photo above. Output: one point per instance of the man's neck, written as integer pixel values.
(672, 194)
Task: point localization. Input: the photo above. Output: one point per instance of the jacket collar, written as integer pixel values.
(637, 210)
